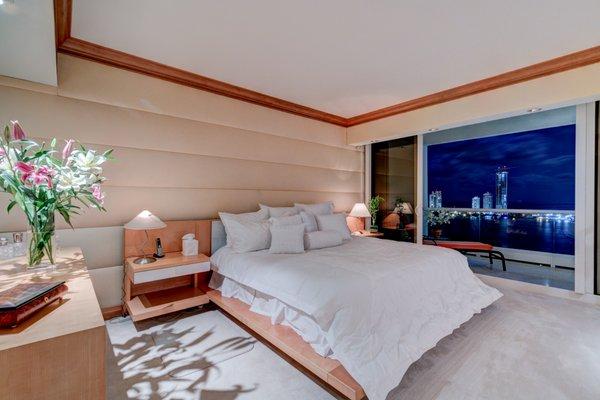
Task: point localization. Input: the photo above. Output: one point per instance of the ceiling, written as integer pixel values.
(345, 57)
(27, 46)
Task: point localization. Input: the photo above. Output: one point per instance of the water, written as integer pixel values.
(516, 231)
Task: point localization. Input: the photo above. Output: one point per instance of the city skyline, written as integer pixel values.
(541, 165)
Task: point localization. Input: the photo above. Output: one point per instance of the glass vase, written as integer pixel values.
(41, 241)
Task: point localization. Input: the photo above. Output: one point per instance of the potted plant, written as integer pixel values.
(43, 182)
(436, 219)
(374, 204)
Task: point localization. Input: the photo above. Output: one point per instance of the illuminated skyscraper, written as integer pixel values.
(475, 202)
(502, 188)
(487, 200)
(435, 199)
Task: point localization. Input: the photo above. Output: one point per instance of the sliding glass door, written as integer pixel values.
(393, 178)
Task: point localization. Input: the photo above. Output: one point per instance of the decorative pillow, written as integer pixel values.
(334, 222)
(316, 209)
(247, 236)
(309, 221)
(322, 239)
(256, 216)
(287, 220)
(287, 239)
(279, 211)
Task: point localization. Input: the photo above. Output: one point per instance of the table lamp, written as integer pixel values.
(143, 222)
(407, 208)
(360, 210)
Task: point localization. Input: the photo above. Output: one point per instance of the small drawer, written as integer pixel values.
(171, 272)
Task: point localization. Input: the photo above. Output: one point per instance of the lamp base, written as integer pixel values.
(144, 260)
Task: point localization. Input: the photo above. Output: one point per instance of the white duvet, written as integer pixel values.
(380, 303)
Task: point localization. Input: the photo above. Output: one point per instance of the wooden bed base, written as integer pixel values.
(290, 343)
(282, 337)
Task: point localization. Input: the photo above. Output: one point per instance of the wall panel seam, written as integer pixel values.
(221, 157)
(107, 184)
(347, 147)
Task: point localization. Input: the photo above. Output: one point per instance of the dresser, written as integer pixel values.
(58, 353)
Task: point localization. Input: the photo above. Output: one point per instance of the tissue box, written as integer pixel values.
(189, 247)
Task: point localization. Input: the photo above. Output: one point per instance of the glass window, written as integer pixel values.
(394, 178)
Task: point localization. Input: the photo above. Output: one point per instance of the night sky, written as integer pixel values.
(541, 169)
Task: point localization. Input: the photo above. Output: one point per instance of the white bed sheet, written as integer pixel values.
(381, 304)
(279, 312)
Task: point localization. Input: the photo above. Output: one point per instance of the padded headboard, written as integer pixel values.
(171, 235)
(218, 236)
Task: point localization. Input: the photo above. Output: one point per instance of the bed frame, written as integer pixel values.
(211, 235)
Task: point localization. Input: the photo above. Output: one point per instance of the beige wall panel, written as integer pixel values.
(566, 88)
(27, 85)
(92, 81)
(144, 168)
(123, 203)
(149, 168)
(49, 115)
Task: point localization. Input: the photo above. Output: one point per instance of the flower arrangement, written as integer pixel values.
(43, 181)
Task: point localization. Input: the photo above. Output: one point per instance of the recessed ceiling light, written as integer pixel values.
(432, 129)
(534, 109)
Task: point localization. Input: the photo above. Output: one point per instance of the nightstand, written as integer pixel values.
(368, 234)
(167, 285)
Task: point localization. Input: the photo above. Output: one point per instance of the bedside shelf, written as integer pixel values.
(170, 284)
(161, 302)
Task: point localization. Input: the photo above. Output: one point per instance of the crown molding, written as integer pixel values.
(62, 20)
(549, 67)
(67, 44)
(115, 58)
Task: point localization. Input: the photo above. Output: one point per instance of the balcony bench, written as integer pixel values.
(469, 247)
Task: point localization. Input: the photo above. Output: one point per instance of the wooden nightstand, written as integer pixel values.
(368, 234)
(167, 285)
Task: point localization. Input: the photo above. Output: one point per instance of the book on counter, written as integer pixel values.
(21, 301)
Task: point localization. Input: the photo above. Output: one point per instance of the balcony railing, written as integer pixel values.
(548, 231)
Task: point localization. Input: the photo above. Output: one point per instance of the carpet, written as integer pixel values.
(524, 346)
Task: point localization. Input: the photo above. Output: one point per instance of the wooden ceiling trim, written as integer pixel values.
(115, 58)
(553, 66)
(62, 20)
(81, 48)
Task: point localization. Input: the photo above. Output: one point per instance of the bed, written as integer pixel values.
(373, 305)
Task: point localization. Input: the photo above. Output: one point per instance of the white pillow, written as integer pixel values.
(287, 220)
(334, 222)
(256, 216)
(287, 239)
(309, 221)
(316, 209)
(322, 239)
(247, 236)
(279, 211)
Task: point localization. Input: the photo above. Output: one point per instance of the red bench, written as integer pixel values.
(470, 247)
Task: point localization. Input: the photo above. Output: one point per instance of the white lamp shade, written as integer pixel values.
(145, 220)
(407, 208)
(360, 210)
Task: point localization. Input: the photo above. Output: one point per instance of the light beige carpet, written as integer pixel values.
(525, 346)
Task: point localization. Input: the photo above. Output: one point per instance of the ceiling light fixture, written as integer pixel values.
(432, 129)
(534, 109)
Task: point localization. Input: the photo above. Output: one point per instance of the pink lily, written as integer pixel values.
(18, 133)
(97, 193)
(67, 149)
(42, 175)
(25, 169)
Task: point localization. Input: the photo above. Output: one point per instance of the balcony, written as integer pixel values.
(539, 244)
